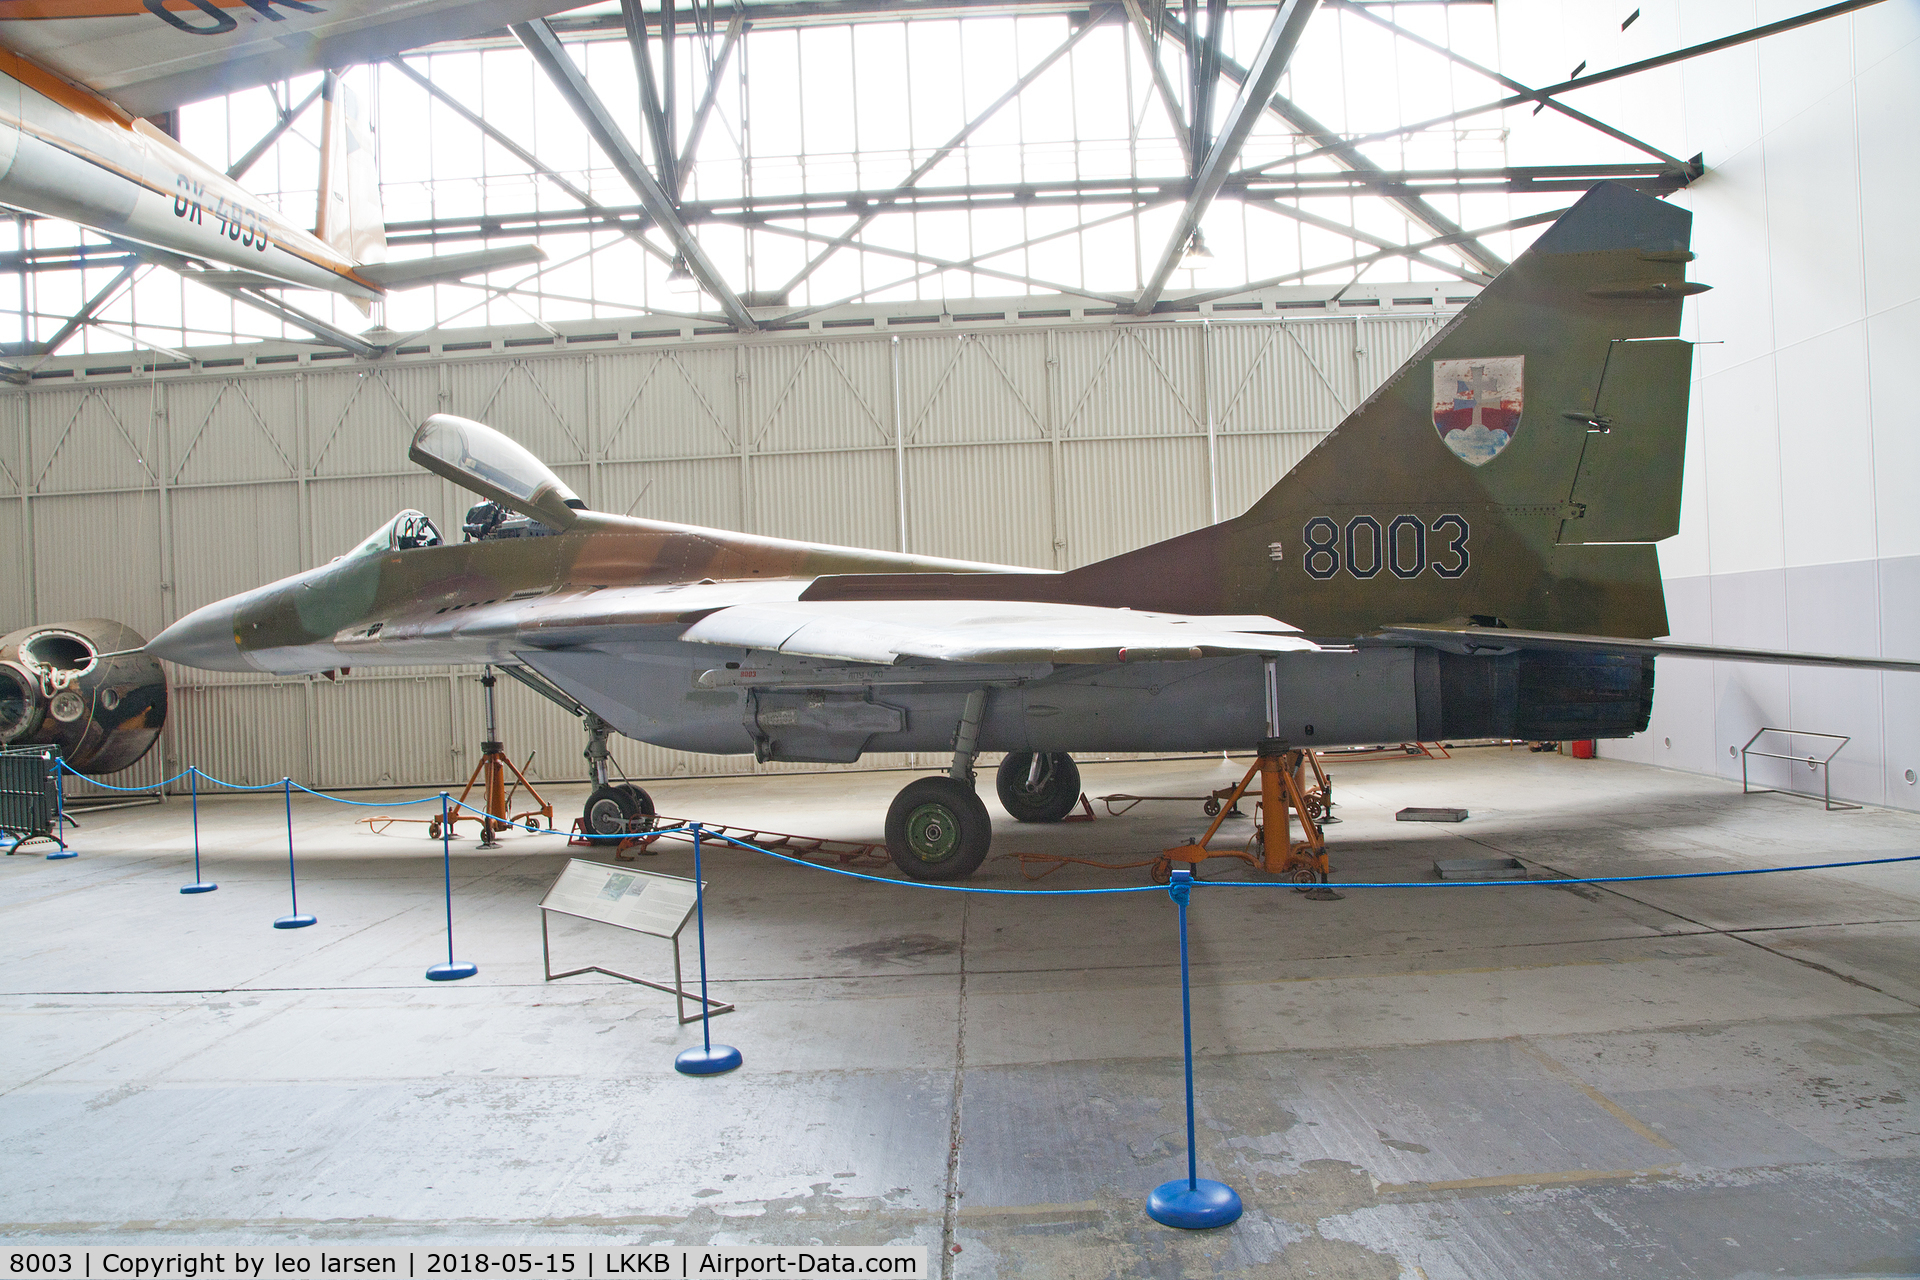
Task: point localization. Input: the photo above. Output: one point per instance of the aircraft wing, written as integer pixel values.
(153, 55)
(1485, 639)
(986, 631)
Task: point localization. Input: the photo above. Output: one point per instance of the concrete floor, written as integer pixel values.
(1713, 1078)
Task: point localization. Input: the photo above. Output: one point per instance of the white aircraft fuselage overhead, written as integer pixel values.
(66, 152)
(78, 76)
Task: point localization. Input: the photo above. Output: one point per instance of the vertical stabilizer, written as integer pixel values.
(349, 217)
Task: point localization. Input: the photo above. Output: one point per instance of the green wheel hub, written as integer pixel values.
(933, 832)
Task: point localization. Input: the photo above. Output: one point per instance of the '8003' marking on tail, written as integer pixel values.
(1364, 548)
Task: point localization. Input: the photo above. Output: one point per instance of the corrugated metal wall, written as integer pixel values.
(1049, 447)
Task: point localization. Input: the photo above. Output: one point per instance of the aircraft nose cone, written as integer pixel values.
(204, 639)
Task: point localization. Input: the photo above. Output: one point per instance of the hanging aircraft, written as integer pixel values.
(77, 78)
(1469, 554)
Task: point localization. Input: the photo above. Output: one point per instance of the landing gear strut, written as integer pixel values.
(614, 809)
(937, 828)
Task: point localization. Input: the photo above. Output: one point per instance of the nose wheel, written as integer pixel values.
(617, 809)
(938, 829)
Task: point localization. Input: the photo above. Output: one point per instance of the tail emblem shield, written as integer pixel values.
(1476, 405)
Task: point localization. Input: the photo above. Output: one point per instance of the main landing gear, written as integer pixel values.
(938, 828)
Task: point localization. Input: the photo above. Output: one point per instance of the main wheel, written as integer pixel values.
(938, 829)
(1053, 793)
(642, 804)
(611, 811)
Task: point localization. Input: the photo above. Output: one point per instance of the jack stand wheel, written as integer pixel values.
(1211, 807)
(1161, 872)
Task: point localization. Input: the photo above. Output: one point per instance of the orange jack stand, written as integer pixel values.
(494, 766)
(1284, 795)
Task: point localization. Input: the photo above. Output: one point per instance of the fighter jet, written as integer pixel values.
(1469, 554)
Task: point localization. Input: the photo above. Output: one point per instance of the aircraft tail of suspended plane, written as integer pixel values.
(78, 78)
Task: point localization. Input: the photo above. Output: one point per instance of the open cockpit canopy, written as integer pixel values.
(478, 458)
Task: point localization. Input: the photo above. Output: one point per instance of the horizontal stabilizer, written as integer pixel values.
(1500, 639)
(413, 273)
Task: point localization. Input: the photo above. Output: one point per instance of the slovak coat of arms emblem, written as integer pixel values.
(1476, 405)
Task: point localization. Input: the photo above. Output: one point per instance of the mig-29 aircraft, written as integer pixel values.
(1469, 554)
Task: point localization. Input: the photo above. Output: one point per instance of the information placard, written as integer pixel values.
(644, 901)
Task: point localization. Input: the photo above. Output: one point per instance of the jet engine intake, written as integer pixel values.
(75, 686)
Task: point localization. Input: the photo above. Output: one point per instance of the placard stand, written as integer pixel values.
(641, 901)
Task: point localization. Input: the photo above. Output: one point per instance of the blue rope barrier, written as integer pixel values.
(364, 804)
(1335, 884)
(108, 786)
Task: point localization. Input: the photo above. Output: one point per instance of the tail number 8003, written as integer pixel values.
(1401, 547)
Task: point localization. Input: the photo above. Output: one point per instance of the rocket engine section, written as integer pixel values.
(57, 689)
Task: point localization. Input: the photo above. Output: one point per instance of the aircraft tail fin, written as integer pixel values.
(1515, 472)
(350, 217)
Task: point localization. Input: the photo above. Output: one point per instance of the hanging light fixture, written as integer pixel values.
(1197, 256)
(679, 279)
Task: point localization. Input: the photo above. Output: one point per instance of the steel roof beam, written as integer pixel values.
(705, 109)
(1482, 258)
(82, 317)
(658, 125)
(932, 162)
(1168, 99)
(287, 116)
(1283, 36)
(1691, 167)
(553, 58)
(1506, 82)
(532, 161)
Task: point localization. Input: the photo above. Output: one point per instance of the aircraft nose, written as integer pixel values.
(204, 639)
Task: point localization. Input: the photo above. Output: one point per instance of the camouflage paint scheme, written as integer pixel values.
(1554, 533)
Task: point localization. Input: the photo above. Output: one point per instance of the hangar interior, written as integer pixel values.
(953, 297)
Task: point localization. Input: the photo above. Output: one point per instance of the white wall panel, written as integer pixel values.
(818, 395)
(361, 423)
(844, 497)
(98, 555)
(542, 403)
(1125, 494)
(1134, 381)
(400, 728)
(231, 539)
(991, 502)
(88, 438)
(667, 403)
(968, 387)
(233, 430)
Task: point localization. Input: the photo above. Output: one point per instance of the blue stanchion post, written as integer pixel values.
(1192, 1202)
(709, 1059)
(60, 812)
(293, 920)
(452, 970)
(200, 884)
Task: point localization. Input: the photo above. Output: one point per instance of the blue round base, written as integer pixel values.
(707, 1062)
(1193, 1208)
(58, 854)
(452, 971)
(202, 887)
(294, 922)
